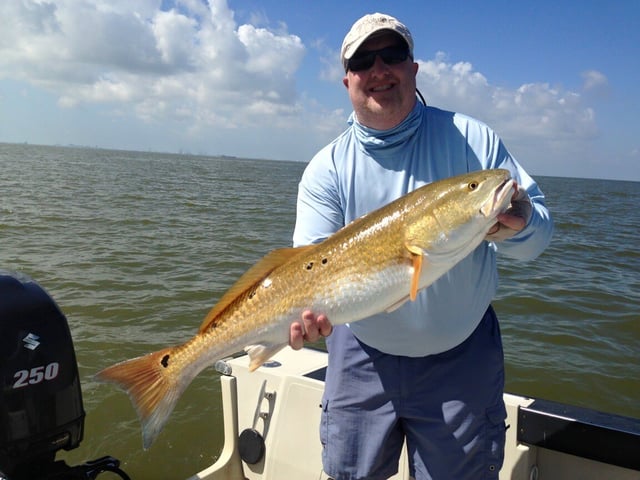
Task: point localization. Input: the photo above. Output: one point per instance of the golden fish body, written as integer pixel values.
(372, 265)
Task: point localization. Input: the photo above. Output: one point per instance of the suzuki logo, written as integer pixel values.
(31, 341)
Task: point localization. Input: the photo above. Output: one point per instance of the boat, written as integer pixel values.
(270, 416)
(271, 419)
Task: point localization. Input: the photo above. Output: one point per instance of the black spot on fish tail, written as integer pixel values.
(165, 361)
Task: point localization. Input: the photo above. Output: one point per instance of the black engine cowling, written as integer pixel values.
(41, 408)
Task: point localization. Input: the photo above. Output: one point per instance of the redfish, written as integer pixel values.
(372, 265)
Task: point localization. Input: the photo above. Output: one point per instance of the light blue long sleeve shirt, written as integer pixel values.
(364, 169)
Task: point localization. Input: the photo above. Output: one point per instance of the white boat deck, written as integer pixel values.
(281, 403)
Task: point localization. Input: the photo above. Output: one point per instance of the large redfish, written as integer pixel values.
(372, 265)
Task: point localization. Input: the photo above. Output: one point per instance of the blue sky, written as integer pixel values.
(558, 81)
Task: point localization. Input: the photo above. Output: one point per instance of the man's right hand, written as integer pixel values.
(309, 329)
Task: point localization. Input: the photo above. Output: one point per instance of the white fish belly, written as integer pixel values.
(360, 296)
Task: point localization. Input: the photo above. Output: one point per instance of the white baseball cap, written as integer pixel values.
(367, 26)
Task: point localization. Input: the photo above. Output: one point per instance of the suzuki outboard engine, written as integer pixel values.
(41, 409)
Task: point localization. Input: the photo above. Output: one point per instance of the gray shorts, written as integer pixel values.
(449, 407)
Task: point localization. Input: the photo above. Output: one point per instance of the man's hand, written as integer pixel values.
(514, 219)
(310, 329)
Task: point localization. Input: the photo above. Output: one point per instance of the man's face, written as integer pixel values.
(383, 95)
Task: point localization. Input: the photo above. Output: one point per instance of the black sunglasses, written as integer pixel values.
(389, 55)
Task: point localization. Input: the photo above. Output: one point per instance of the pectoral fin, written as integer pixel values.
(416, 260)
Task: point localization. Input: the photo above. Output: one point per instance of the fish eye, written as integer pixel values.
(472, 185)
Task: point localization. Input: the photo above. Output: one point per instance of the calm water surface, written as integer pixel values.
(136, 247)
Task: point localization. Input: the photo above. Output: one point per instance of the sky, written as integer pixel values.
(559, 81)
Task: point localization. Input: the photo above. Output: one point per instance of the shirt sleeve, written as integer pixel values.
(319, 213)
(535, 237)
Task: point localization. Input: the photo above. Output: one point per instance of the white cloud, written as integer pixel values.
(541, 124)
(595, 84)
(173, 33)
(331, 68)
(539, 109)
(194, 74)
(192, 61)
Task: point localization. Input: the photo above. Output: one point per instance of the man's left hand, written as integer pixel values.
(514, 219)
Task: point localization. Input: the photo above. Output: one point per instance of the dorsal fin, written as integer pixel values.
(255, 274)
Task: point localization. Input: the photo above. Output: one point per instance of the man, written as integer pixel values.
(432, 371)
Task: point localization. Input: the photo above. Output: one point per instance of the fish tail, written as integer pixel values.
(153, 385)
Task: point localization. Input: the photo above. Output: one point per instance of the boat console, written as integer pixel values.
(271, 419)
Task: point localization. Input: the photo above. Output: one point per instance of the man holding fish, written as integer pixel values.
(429, 371)
(398, 224)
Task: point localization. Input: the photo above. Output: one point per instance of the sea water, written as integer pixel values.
(135, 247)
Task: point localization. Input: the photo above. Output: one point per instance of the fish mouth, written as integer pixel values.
(500, 200)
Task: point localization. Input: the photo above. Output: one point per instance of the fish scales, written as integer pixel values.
(372, 265)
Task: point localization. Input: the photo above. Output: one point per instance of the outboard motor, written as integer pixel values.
(41, 409)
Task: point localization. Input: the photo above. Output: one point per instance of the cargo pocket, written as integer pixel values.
(325, 439)
(495, 439)
(324, 423)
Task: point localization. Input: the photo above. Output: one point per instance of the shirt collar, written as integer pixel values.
(372, 139)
